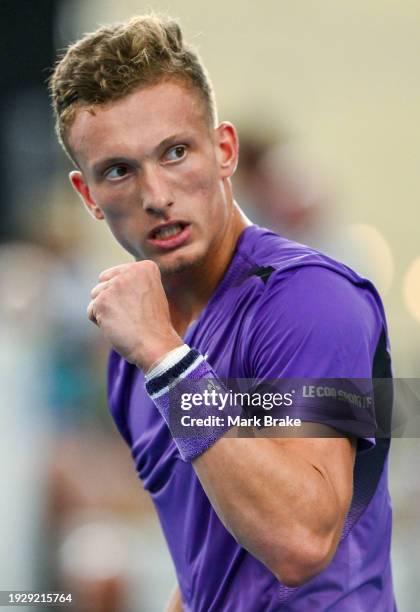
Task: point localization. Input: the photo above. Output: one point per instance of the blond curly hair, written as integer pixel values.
(113, 61)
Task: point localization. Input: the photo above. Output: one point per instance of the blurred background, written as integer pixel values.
(326, 99)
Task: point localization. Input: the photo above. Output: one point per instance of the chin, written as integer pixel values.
(179, 265)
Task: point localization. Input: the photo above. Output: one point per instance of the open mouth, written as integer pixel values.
(167, 231)
(170, 235)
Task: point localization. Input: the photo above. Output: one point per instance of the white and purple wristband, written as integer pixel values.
(186, 371)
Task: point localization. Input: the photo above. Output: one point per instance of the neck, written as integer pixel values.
(189, 291)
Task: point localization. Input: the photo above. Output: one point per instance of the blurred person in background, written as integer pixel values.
(279, 190)
(258, 524)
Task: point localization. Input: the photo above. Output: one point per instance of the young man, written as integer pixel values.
(253, 524)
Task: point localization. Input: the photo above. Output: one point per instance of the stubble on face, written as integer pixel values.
(178, 268)
(199, 197)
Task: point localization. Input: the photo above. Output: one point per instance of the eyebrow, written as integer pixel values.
(99, 166)
(166, 142)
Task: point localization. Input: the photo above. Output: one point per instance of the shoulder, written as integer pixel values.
(314, 315)
(297, 278)
(315, 293)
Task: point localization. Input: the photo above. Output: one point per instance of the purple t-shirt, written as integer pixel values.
(281, 310)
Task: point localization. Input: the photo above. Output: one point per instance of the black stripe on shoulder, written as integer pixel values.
(264, 272)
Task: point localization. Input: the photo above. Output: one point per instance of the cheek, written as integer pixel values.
(121, 213)
(200, 183)
(117, 205)
(125, 231)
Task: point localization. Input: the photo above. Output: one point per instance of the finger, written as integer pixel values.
(91, 312)
(111, 272)
(98, 288)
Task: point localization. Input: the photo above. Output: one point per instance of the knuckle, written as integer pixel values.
(100, 301)
(129, 272)
(146, 264)
(117, 284)
(150, 266)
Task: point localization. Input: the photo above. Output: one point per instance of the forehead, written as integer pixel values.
(138, 122)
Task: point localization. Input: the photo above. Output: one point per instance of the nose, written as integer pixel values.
(157, 197)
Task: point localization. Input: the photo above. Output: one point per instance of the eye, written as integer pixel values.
(116, 172)
(176, 153)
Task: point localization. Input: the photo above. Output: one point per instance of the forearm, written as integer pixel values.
(175, 601)
(276, 496)
(276, 505)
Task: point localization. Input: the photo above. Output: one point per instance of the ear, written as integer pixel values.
(78, 182)
(228, 148)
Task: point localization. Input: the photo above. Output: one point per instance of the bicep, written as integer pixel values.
(330, 454)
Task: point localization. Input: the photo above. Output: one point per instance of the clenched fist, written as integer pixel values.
(129, 305)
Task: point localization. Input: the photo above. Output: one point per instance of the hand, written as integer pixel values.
(129, 305)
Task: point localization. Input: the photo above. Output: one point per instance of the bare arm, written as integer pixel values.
(283, 499)
(175, 601)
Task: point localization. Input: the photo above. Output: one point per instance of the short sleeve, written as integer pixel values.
(313, 323)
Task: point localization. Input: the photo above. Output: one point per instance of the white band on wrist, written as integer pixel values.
(167, 361)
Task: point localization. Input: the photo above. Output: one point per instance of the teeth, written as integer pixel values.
(169, 231)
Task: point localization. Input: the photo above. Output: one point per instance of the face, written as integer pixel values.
(151, 166)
